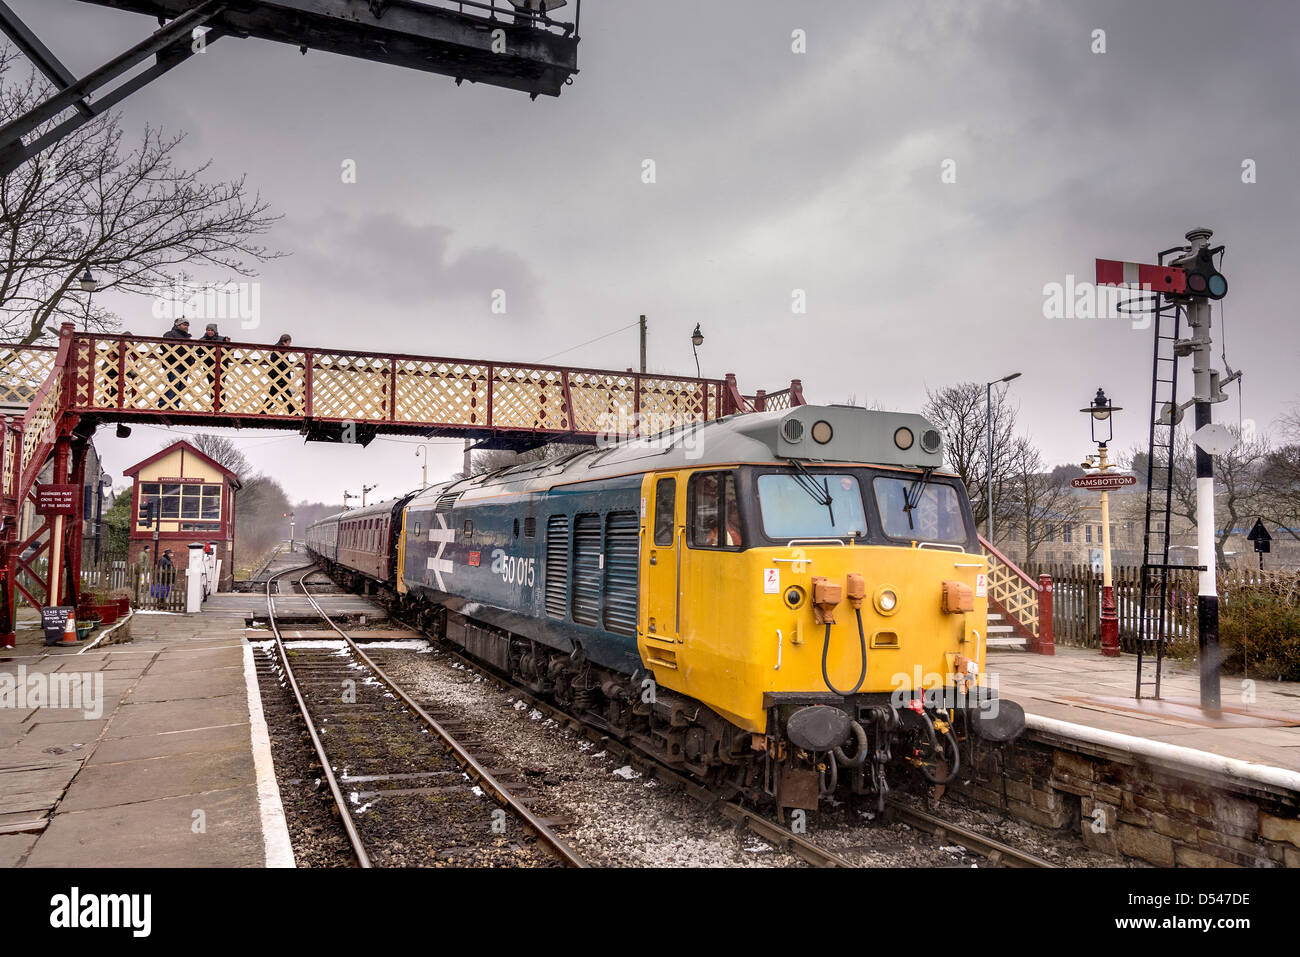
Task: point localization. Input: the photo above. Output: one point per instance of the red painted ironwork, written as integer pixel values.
(98, 379)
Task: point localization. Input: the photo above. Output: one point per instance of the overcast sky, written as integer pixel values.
(776, 171)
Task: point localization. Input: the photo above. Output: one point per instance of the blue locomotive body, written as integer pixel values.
(491, 558)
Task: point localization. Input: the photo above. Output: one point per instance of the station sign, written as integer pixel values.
(57, 499)
(1103, 483)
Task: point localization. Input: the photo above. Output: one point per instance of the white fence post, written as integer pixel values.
(194, 579)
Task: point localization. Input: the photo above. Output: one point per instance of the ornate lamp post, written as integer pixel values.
(1100, 418)
(697, 340)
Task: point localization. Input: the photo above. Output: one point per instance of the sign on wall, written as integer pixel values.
(57, 499)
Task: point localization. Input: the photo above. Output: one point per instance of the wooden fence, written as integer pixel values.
(1076, 607)
(151, 588)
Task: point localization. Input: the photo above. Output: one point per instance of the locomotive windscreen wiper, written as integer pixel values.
(913, 496)
(821, 494)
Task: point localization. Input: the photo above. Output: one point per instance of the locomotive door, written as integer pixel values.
(662, 534)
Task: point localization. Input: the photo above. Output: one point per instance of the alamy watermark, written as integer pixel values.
(650, 429)
(1087, 300)
(78, 690)
(945, 692)
(210, 302)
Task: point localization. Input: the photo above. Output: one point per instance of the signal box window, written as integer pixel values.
(715, 515)
(665, 505)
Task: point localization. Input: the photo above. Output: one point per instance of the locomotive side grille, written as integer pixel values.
(586, 569)
(557, 566)
(621, 563)
(446, 501)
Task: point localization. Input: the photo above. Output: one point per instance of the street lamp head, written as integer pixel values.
(88, 282)
(697, 337)
(1014, 375)
(1099, 411)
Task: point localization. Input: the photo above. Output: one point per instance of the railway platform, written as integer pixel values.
(1163, 782)
(1259, 722)
(148, 752)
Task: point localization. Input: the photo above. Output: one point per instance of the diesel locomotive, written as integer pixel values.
(786, 604)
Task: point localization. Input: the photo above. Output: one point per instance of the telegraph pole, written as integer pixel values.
(643, 345)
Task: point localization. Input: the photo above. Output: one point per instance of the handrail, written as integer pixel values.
(1010, 564)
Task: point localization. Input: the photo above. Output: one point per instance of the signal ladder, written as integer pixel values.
(1160, 474)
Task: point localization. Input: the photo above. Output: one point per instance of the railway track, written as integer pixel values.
(996, 852)
(394, 772)
(799, 845)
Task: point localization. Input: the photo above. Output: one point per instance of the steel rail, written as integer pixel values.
(997, 852)
(747, 818)
(467, 761)
(354, 838)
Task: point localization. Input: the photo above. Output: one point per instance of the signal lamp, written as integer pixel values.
(1203, 279)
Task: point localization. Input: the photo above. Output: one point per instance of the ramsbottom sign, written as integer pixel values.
(1103, 482)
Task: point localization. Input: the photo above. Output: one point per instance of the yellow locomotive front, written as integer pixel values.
(829, 598)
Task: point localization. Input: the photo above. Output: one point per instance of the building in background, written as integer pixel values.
(183, 496)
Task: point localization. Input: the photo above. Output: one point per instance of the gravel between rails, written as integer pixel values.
(614, 816)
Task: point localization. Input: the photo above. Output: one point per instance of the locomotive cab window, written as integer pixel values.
(715, 513)
(935, 514)
(665, 504)
(811, 505)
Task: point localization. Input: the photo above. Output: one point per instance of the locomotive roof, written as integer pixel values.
(855, 435)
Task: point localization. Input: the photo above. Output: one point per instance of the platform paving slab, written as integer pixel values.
(158, 833)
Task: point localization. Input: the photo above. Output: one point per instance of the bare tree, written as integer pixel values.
(129, 215)
(489, 460)
(960, 413)
(1038, 499)
(1239, 484)
(1280, 479)
(223, 451)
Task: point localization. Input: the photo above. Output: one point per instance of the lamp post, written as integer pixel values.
(88, 285)
(697, 340)
(1099, 413)
(988, 427)
(105, 482)
(424, 467)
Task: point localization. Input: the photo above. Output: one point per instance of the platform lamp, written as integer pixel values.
(88, 285)
(1100, 414)
(697, 340)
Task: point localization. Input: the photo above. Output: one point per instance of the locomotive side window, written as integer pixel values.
(530, 527)
(665, 505)
(814, 506)
(934, 517)
(715, 516)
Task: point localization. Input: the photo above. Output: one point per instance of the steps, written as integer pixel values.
(1002, 635)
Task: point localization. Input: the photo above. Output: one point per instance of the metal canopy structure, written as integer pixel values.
(89, 380)
(507, 43)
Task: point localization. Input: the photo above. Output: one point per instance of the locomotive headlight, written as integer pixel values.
(903, 438)
(886, 600)
(822, 432)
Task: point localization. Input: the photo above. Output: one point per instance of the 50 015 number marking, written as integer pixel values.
(514, 571)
